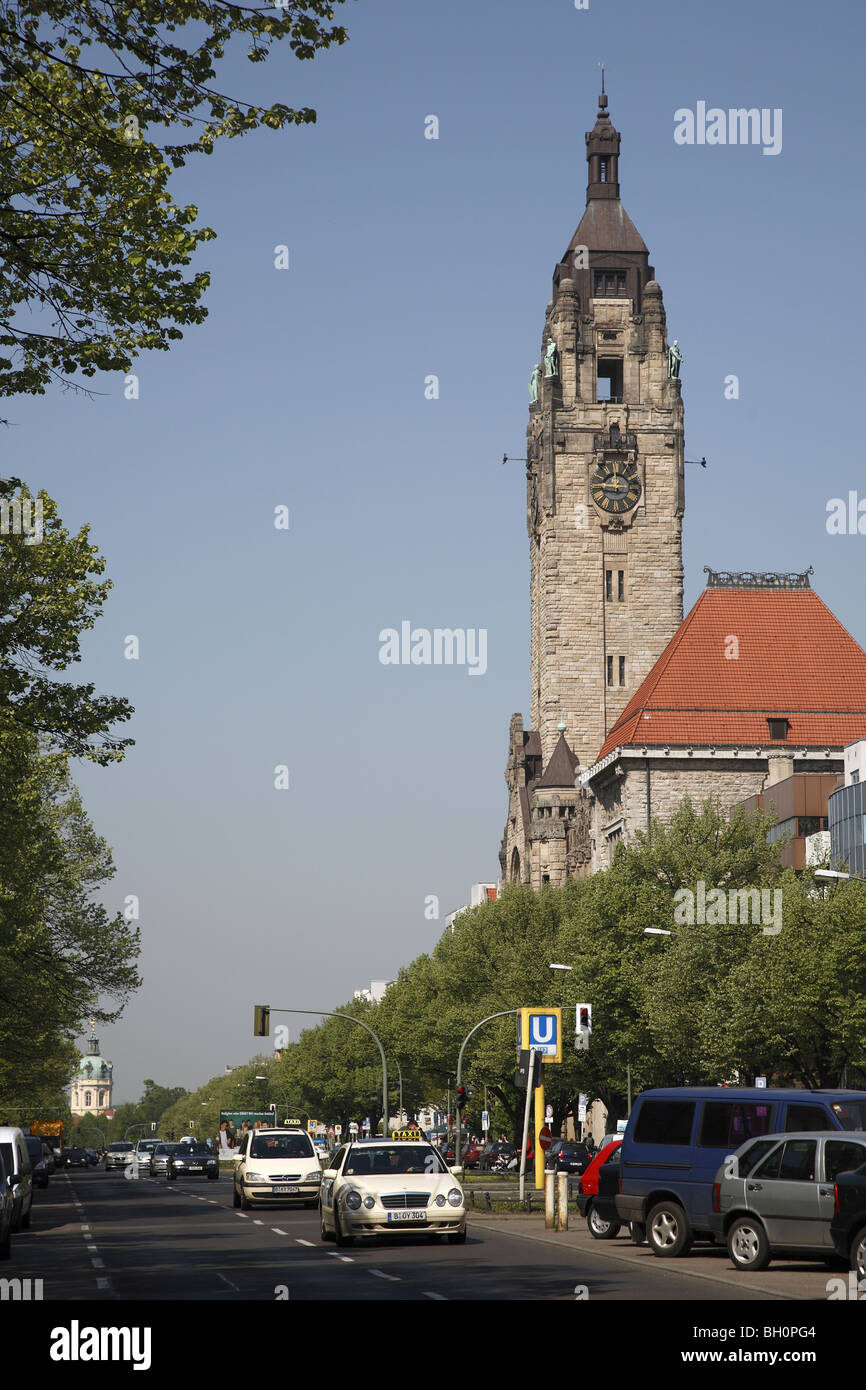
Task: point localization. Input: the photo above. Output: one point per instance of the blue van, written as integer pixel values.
(678, 1138)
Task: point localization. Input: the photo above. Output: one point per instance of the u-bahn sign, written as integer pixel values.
(541, 1030)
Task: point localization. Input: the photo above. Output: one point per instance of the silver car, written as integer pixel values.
(774, 1196)
(160, 1157)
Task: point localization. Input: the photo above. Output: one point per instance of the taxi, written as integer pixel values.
(384, 1187)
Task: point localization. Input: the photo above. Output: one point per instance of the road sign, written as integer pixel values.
(761, 1081)
(338, 1130)
(544, 1138)
(485, 1120)
(548, 1114)
(353, 1127)
(313, 1126)
(541, 1030)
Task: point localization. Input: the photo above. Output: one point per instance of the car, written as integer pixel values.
(492, 1152)
(848, 1223)
(6, 1206)
(401, 1186)
(192, 1158)
(587, 1193)
(19, 1174)
(119, 1155)
(775, 1195)
(160, 1157)
(277, 1167)
(471, 1155)
(35, 1149)
(76, 1158)
(50, 1157)
(144, 1152)
(678, 1138)
(567, 1156)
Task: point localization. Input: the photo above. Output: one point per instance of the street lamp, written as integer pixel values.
(657, 931)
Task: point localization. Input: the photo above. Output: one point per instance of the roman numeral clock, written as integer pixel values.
(614, 482)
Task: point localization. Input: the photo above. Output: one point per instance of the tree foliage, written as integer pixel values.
(93, 249)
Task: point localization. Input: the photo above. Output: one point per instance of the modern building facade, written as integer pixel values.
(847, 814)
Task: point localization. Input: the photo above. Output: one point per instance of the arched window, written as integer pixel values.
(87, 1099)
(515, 866)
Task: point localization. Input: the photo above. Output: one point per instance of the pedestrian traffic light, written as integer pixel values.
(461, 1097)
(261, 1021)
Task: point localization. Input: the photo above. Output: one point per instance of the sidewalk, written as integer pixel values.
(787, 1278)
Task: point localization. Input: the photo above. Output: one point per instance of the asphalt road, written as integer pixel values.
(98, 1236)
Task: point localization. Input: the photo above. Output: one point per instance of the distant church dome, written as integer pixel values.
(90, 1088)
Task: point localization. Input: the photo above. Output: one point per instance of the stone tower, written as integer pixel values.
(605, 500)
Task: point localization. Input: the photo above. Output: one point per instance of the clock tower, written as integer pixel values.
(605, 501)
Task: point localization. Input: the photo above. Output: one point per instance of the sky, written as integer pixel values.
(306, 389)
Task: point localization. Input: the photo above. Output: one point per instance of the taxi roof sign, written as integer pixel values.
(541, 1030)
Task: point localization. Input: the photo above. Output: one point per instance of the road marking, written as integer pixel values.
(380, 1274)
(440, 1297)
(84, 1228)
(347, 1259)
(243, 1214)
(228, 1281)
(277, 1232)
(103, 1283)
(311, 1243)
(257, 1222)
(92, 1247)
(97, 1263)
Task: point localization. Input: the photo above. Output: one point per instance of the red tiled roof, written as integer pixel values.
(794, 660)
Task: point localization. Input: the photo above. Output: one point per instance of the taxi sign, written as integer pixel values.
(293, 1124)
(541, 1030)
(409, 1132)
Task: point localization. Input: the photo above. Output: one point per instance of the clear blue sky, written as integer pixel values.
(306, 387)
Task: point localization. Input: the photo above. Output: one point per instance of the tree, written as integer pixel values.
(49, 596)
(93, 248)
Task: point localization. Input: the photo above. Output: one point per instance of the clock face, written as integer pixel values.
(615, 487)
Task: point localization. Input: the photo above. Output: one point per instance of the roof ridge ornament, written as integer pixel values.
(755, 579)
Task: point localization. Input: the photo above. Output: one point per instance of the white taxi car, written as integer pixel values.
(277, 1167)
(382, 1187)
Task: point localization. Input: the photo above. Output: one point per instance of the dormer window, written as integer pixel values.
(778, 729)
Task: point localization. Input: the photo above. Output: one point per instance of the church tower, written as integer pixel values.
(605, 500)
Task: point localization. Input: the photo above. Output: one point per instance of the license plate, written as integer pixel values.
(415, 1216)
(195, 1168)
(284, 1189)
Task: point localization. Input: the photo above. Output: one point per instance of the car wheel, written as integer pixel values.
(326, 1234)
(858, 1253)
(457, 1237)
(236, 1197)
(245, 1201)
(339, 1237)
(600, 1229)
(637, 1231)
(668, 1230)
(748, 1246)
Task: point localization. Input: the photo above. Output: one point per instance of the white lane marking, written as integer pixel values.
(103, 1283)
(440, 1297)
(311, 1243)
(380, 1274)
(228, 1281)
(92, 1247)
(257, 1222)
(347, 1259)
(84, 1229)
(277, 1232)
(97, 1263)
(243, 1214)
(213, 1201)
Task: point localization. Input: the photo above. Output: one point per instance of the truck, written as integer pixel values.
(51, 1131)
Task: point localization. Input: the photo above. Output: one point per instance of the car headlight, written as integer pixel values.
(255, 1177)
(440, 1199)
(315, 1177)
(353, 1200)
(369, 1202)
(455, 1197)
(177, 1162)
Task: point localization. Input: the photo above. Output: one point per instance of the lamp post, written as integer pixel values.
(502, 1014)
(330, 1013)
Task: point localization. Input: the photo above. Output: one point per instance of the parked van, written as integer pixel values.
(19, 1174)
(677, 1139)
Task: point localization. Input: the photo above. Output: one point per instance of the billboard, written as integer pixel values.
(234, 1124)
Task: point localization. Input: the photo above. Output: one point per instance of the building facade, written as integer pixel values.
(847, 813)
(90, 1088)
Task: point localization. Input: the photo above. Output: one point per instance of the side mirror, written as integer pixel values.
(456, 1172)
(329, 1173)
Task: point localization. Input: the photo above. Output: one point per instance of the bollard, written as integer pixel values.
(562, 1204)
(487, 1200)
(550, 1201)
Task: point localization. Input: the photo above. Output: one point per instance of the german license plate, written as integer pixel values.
(195, 1167)
(284, 1189)
(414, 1216)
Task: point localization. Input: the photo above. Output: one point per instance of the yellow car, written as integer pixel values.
(387, 1187)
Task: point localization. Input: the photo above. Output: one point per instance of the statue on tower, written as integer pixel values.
(533, 384)
(675, 357)
(551, 359)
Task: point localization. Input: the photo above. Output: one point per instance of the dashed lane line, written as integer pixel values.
(347, 1259)
(298, 1241)
(277, 1232)
(96, 1262)
(380, 1274)
(439, 1297)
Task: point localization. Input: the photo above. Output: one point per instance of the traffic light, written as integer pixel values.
(261, 1021)
(524, 1076)
(584, 1027)
(461, 1097)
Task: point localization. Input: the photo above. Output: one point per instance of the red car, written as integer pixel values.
(587, 1190)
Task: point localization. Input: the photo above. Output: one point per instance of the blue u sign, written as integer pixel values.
(542, 1033)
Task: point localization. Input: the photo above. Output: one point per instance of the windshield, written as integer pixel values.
(281, 1146)
(120, 1148)
(385, 1162)
(181, 1150)
(148, 1145)
(165, 1148)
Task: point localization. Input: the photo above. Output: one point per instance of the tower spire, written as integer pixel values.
(602, 153)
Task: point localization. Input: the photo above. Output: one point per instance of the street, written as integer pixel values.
(97, 1236)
